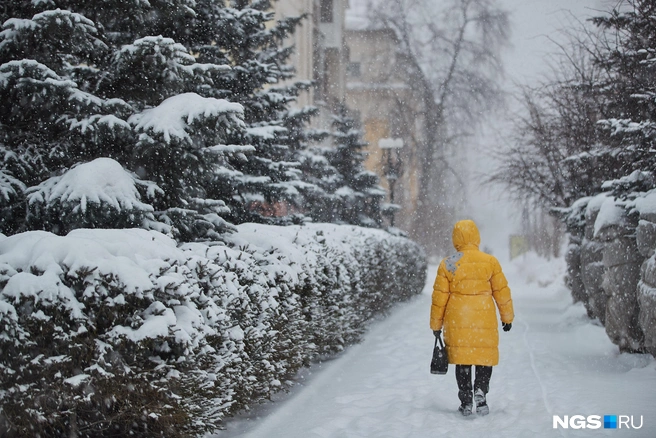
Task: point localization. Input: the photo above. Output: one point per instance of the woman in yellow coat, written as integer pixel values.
(468, 285)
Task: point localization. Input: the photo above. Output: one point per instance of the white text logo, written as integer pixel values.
(595, 422)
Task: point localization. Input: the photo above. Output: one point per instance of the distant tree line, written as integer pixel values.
(190, 98)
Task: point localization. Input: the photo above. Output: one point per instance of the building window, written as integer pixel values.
(353, 69)
(326, 11)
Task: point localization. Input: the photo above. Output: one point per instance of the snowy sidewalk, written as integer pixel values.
(553, 362)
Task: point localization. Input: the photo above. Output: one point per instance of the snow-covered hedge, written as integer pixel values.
(646, 241)
(616, 265)
(585, 257)
(118, 332)
(615, 229)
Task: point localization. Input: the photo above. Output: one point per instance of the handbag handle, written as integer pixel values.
(439, 338)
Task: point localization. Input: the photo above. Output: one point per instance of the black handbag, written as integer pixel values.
(440, 361)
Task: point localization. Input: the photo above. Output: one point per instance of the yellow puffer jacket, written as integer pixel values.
(467, 286)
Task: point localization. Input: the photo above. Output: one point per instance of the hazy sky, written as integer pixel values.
(534, 22)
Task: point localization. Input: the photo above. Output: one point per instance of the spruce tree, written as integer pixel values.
(359, 196)
(629, 119)
(102, 71)
(88, 79)
(44, 110)
(320, 177)
(245, 37)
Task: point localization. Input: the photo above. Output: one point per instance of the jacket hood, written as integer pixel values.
(466, 235)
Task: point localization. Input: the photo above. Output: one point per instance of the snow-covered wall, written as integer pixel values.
(108, 332)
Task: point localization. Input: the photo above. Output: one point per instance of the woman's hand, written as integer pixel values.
(506, 326)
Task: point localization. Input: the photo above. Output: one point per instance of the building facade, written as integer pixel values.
(355, 63)
(388, 109)
(319, 54)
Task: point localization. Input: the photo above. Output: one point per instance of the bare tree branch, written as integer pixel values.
(453, 52)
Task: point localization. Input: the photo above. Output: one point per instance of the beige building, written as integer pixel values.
(378, 89)
(357, 64)
(319, 54)
(304, 40)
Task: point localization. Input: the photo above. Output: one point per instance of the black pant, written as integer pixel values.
(464, 378)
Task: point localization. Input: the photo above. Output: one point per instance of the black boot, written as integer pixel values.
(481, 402)
(481, 387)
(463, 376)
(466, 406)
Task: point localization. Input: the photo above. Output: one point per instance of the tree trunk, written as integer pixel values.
(433, 220)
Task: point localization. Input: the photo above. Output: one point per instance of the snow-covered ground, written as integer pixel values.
(554, 361)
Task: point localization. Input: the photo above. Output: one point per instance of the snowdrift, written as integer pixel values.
(117, 332)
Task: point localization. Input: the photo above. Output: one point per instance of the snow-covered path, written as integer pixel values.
(553, 361)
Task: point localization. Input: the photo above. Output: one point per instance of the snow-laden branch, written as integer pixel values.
(173, 117)
(101, 181)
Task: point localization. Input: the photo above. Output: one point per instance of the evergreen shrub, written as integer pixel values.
(125, 333)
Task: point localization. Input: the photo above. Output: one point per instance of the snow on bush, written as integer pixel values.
(117, 332)
(174, 115)
(96, 194)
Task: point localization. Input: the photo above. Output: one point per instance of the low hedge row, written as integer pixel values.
(123, 333)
